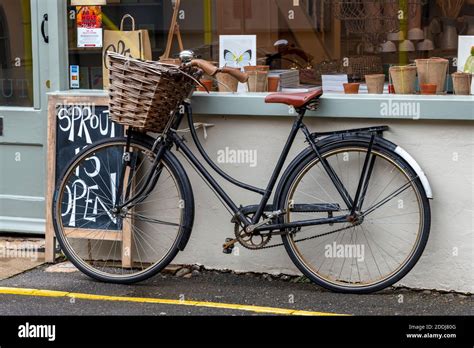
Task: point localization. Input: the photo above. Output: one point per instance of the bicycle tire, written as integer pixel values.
(182, 236)
(342, 146)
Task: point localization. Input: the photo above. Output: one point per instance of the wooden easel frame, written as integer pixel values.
(50, 241)
(174, 30)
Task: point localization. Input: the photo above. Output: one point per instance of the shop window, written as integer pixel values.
(315, 37)
(4, 42)
(16, 64)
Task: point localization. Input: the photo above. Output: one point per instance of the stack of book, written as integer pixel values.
(288, 78)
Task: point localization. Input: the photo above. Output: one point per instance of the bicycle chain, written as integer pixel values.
(309, 238)
(237, 232)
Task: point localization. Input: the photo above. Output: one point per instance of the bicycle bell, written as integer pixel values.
(186, 56)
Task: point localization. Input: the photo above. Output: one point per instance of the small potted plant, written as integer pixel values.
(375, 83)
(432, 71)
(351, 88)
(403, 79)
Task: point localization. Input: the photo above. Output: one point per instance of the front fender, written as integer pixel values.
(189, 218)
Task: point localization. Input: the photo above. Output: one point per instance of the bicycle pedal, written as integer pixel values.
(228, 250)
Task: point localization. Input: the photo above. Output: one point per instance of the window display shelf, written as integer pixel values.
(386, 106)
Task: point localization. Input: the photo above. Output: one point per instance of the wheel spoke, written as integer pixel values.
(379, 242)
(97, 243)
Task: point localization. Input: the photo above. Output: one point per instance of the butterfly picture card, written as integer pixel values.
(237, 51)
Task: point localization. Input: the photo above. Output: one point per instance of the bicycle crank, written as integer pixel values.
(251, 241)
(247, 240)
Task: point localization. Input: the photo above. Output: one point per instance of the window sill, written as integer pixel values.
(386, 106)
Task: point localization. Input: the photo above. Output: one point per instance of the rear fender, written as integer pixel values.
(341, 138)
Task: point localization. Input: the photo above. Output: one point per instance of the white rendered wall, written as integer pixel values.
(444, 149)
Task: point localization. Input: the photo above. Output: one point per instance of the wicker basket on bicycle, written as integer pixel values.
(145, 94)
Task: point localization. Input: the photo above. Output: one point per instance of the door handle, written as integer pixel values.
(45, 37)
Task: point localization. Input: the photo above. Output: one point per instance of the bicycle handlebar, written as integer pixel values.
(211, 70)
(239, 75)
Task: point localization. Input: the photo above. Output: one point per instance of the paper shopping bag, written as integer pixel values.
(133, 43)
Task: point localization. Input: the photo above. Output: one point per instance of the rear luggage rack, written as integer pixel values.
(379, 130)
(297, 208)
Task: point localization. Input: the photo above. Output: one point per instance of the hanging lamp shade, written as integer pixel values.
(406, 46)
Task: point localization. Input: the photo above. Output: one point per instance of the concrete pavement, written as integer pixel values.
(19, 255)
(196, 292)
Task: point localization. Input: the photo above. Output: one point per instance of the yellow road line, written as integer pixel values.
(92, 297)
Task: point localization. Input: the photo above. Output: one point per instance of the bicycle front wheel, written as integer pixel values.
(371, 252)
(130, 244)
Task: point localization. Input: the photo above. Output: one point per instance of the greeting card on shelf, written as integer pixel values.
(466, 55)
(237, 51)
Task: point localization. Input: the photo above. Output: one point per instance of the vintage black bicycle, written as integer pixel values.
(352, 209)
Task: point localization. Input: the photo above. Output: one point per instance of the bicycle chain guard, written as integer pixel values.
(248, 240)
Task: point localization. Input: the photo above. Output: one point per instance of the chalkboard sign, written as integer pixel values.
(75, 123)
(77, 127)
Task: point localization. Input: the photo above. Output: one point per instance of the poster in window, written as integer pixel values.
(89, 26)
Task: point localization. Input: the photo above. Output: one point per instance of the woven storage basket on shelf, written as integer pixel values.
(359, 66)
(325, 68)
(145, 94)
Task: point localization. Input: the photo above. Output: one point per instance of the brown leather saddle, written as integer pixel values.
(296, 100)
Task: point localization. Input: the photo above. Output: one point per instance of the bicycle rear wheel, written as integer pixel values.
(127, 245)
(369, 254)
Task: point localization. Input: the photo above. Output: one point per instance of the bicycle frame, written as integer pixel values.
(171, 138)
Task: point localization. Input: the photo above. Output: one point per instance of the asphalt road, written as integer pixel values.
(211, 286)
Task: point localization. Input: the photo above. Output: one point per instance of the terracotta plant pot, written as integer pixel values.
(207, 83)
(433, 71)
(375, 83)
(462, 83)
(273, 83)
(258, 81)
(227, 83)
(428, 88)
(403, 79)
(258, 77)
(351, 88)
